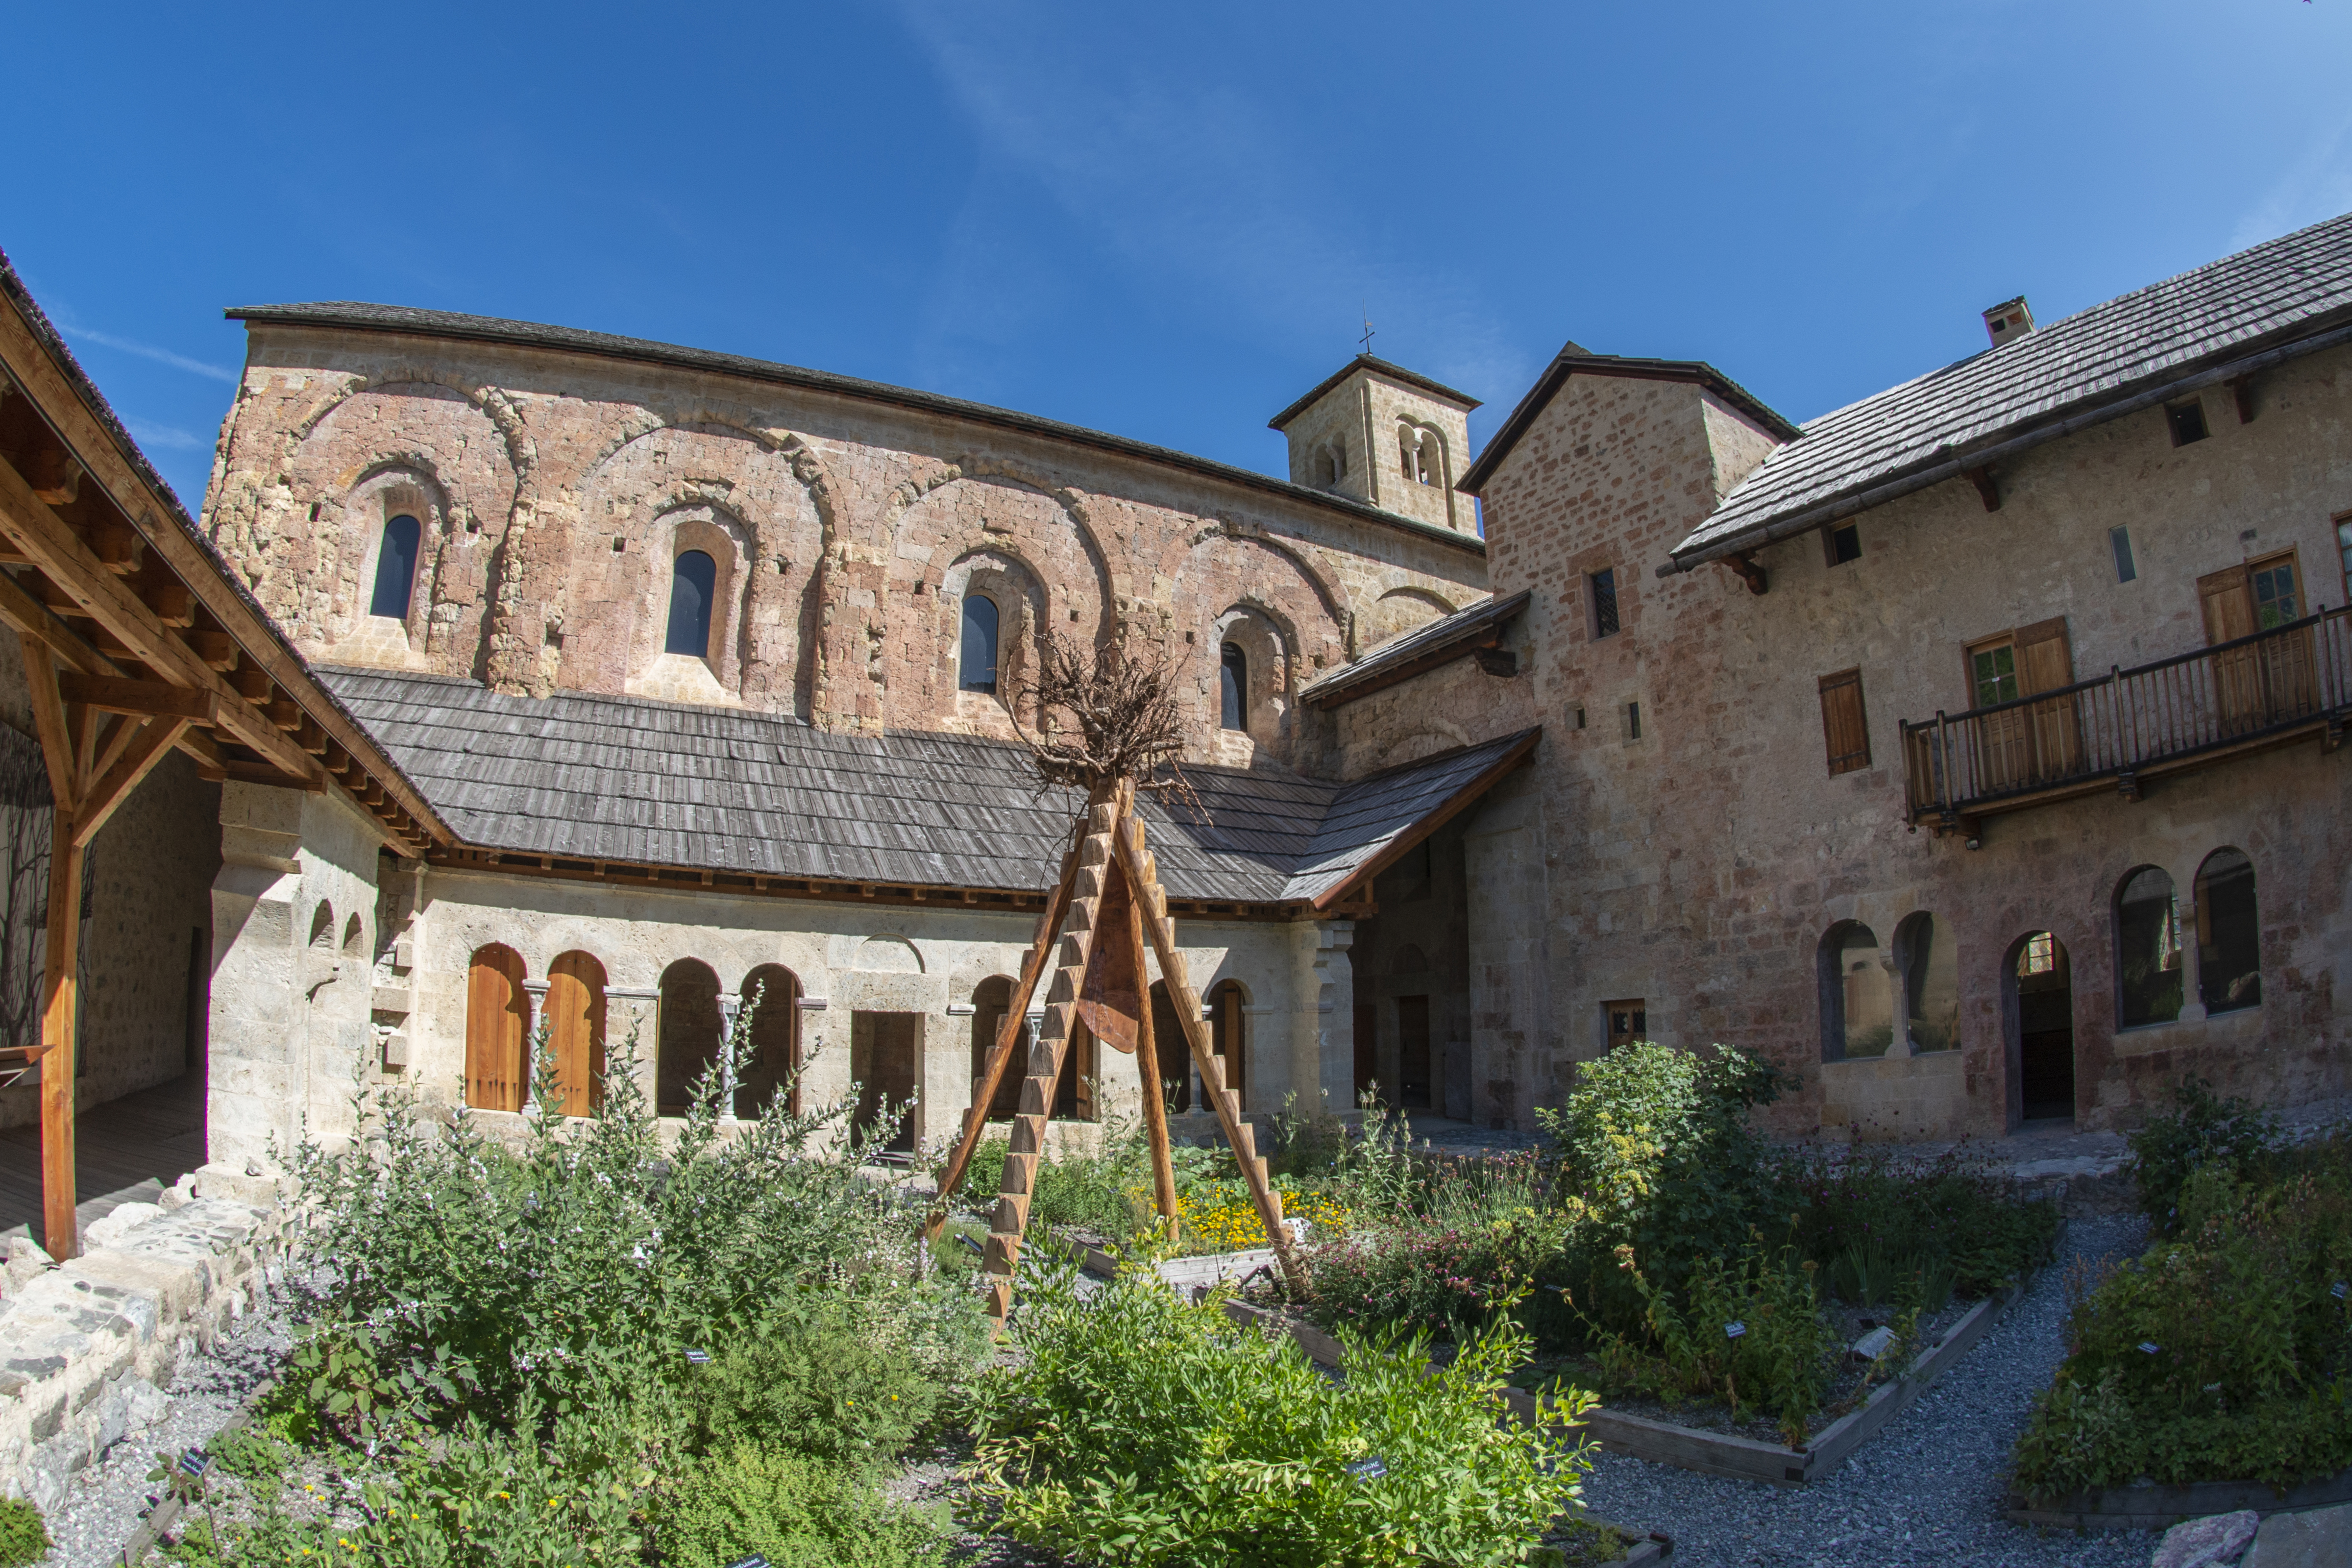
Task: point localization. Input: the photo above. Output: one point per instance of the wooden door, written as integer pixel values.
(576, 1031)
(2004, 751)
(1413, 1052)
(2045, 663)
(498, 1019)
(2227, 599)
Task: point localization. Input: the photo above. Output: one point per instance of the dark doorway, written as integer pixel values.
(883, 1057)
(2045, 1029)
(1413, 1052)
(1175, 1053)
(989, 1001)
(1368, 1048)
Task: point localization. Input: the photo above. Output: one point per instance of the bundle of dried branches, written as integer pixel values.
(1105, 715)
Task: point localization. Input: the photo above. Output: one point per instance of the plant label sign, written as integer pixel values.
(1733, 1330)
(1369, 1469)
(698, 1358)
(755, 1560)
(195, 1462)
(2340, 1290)
(2150, 1347)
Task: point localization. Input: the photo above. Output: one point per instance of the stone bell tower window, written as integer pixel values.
(396, 568)
(693, 583)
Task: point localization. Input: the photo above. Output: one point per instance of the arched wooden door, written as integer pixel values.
(498, 1020)
(576, 1031)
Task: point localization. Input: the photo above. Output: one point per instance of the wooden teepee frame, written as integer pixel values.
(1106, 905)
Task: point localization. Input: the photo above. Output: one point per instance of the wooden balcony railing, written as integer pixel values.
(2130, 724)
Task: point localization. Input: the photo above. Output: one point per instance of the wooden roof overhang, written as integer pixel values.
(156, 646)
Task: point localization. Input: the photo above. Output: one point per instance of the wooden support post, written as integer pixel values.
(1147, 1057)
(1008, 1033)
(66, 735)
(1127, 845)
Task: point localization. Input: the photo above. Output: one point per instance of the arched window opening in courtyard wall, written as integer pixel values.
(396, 568)
(497, 1022)
(776, 1043)
(990, 998)
(1927, 958)
(1857, 1015)
(2229, 933)
(693, 583)
(575, 1015)
(977, 666)
(1229, 1038)
(686, 1033)
(2148, 949)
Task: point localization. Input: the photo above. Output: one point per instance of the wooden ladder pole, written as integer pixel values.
(1143, 875)
(1008, 1032)
(1011, 1222)
(1147, 1047)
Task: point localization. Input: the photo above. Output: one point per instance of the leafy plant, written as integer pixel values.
(24, 1537)
(795, 1510)
(1140, 1427)
(2201, 1129)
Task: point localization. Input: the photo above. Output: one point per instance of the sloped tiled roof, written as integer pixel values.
(614, 778)
(1370, 817)
(1455, 633)
(1373, 362)
(2093, 365)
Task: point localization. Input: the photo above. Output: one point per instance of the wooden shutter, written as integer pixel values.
(575, 1030)
(2228, 596)
(1843, 725)
(2044, 663)
(496, 1019)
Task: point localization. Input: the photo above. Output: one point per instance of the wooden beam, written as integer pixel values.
(153, 741)
(1745, 568)
(28, 617)
(117, 545)
(54, 477)
(65, 559)
(1987, 491)
(218, 649)
(143, 699)
(60, 997)
(49, 722)
(2242, 392)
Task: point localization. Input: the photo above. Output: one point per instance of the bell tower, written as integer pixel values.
(1385, 435)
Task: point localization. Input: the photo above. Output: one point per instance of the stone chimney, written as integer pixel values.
(2009, 320)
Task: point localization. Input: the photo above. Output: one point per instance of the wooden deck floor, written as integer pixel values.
(126, 1150)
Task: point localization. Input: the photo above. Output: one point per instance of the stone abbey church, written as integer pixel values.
(1971, 750)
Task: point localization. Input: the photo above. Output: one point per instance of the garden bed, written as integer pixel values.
(2160, 1508)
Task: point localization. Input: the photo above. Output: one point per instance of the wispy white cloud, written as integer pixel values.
(1193, 185)
(2317, 185)
(148, 350)
(170, 437)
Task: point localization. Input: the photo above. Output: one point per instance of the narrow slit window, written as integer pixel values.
(1633, 721)
(1604, 602)
(1233, 688)
(2119, 540)
(693, 579)
(978, 665)
(396, 568)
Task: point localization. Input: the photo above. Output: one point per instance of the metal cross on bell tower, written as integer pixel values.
(1367, 338)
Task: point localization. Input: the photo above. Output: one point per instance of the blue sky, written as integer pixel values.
(1161, 221)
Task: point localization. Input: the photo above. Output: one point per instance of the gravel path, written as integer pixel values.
(1927, 1492)
(106, 1502)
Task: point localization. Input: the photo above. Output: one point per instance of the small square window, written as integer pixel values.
(1578, 722)
(2187, 421)
(1603, 583)
(1845, 543)
(1625, 1021)
(2119, 537)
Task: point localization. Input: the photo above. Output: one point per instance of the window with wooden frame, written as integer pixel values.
(2273, 679)
(2042, 741)
(1624, 1021)
(1844, 728)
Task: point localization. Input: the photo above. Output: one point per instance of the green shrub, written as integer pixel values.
(2224, 1355)
(1424, 1274)
(24, 1538)
(2199, 1129)
(849, 1377)
(581, 1267)
(795, 1510)
(1139, 1427)
(1871, 1215)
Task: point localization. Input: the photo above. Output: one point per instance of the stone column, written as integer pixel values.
(1323, 1070)
(1898, 999)
(2193, 967)
(730, 1008)
(537, 991)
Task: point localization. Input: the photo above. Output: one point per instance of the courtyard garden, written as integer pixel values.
(607, 1341)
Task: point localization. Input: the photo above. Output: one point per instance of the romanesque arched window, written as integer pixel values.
(396, 568)
(2229, 933)
(574, 1012)
(1928, 963)
(776, 1043)
(1858, 1014)
(977, 667)
(693, 583)
(497, 1021)
(1233, 688)
(2148, 949)
(687, 1032)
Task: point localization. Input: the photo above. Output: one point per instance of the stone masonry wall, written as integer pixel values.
(554, 491)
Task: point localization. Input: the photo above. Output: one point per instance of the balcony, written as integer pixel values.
(2130, 725)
